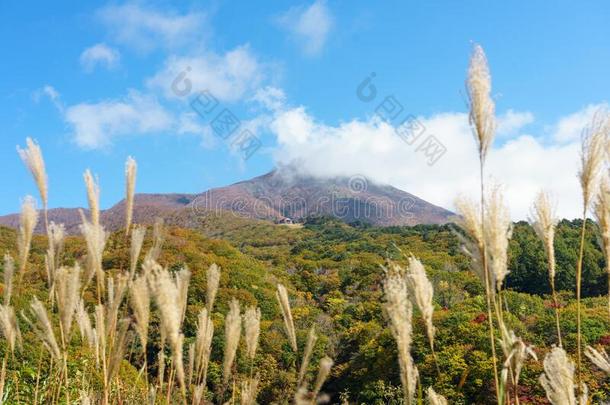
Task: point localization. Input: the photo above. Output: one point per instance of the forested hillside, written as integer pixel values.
(334, 275)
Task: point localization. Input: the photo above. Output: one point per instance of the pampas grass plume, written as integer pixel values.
(593, 143)
(27, 224)
(32, 158)
(282, 298)
(252, 328)
(9, 272)
(558, 378)
(232, 335)
(213, 280)
(93, 197)
(482, 107)
(131, 169)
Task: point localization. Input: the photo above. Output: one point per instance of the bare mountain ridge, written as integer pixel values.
(273, 196)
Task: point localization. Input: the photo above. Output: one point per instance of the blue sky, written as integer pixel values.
(91, 82)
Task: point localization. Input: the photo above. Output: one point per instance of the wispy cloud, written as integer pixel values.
(146, 28)
(228, 76)
(94, 125)
(310, 26)
(513, 121)
(570, 127)
(99, 55)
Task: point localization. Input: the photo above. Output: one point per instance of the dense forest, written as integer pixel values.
(334, 275)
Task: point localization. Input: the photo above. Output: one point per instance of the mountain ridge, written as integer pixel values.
(280, 195)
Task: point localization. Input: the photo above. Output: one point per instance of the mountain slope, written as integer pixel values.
(274, 196)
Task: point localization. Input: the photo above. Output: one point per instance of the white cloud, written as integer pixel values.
(50, 92)
(513, 121)
(146, 29)
(272, 98)
(228, 77)
(569, 128)
(99, 54)
(309, 25)
(372, 148)
(95, 125)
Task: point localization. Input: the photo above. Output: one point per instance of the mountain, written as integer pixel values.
(279, 196)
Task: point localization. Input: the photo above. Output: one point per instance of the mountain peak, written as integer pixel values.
(281, 193)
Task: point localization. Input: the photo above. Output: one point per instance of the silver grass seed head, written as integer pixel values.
(32, 158)
(158, 240)
(558, 378)
(284, 302)
(43, 329)
(83, 321)
(27, 223)
(252, 327)
(93, 196)
(593, 143)
(139, 294)
(67, 290)
(232, 335)
(9, 272)
(599, 358)
(601, 211)
(213, 280)
(543, 219)
(498, 231)
(9, 326)
(434, 398)
(326, 363)
(482, 106)
(131, 168)
(249, 391)
(137, 240)
(421, 293)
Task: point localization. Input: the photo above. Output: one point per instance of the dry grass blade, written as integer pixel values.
(32, 157)
(118, 351)
(131, 169)
(9, 272)
(309, 345)
(282, 298)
